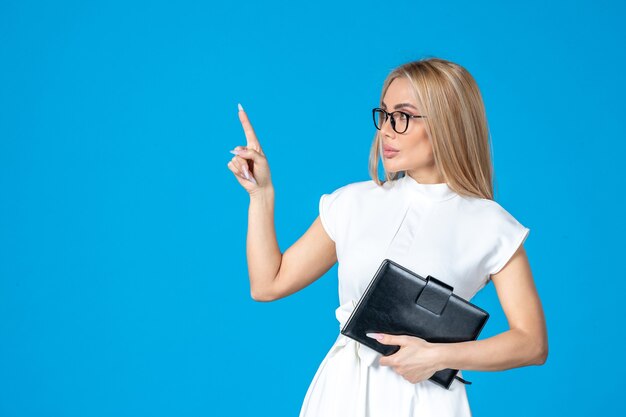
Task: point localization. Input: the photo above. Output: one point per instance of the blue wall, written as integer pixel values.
(123, 275)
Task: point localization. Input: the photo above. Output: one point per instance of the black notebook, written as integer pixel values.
(398, 301)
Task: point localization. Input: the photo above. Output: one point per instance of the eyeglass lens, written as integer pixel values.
(399, 122)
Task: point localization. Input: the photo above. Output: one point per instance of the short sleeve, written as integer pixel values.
(330, 207)
(508, 235)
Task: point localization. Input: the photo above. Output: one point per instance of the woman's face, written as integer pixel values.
(414, 152)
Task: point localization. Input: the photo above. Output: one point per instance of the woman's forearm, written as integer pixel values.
(264, 256)
(510, 349)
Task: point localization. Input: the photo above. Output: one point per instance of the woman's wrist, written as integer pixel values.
(441, 355)
(266, 193)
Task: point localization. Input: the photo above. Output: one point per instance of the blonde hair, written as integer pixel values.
(456, 125)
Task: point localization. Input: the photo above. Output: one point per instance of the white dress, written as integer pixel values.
(431, 230)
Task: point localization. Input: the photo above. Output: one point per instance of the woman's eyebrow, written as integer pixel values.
(401, 105)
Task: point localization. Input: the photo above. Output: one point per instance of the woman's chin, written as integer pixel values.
(394, 166)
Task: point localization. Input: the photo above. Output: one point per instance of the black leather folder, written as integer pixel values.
(398, 301)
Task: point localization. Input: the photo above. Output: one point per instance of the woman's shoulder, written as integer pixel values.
(361, 190)
(483, 204)
(485, 211)
(342, 208)
(492, 230)
(365, 186)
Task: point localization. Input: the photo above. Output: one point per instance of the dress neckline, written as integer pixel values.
(432, 192)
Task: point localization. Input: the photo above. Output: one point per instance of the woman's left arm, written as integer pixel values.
(526, 341)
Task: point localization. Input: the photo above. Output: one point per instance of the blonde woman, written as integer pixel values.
(433, 214)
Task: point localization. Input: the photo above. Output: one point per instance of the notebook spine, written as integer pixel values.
(377, 275)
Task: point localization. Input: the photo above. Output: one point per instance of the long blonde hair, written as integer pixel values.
(455, 122)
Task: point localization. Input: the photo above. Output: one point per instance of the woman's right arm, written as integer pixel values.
(274, 275)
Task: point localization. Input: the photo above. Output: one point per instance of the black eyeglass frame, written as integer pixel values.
(393, 120)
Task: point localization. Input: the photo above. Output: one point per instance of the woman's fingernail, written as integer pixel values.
(239, 107)
(245, 171)
(234, 152)
(376, 336)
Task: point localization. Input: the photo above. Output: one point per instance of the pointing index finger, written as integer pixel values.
(251, 138)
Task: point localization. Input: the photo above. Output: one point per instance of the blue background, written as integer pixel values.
(123, 275)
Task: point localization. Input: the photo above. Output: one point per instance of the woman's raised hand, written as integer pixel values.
(249, 163)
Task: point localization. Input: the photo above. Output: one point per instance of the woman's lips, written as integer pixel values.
(389, 153)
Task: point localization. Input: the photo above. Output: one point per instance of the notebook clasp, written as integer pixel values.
(434, 296)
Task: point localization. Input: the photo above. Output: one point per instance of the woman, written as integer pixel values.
(435, 215)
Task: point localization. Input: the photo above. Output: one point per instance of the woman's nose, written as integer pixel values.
(386, 128)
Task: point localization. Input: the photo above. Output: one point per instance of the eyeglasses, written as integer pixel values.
(399, 119)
